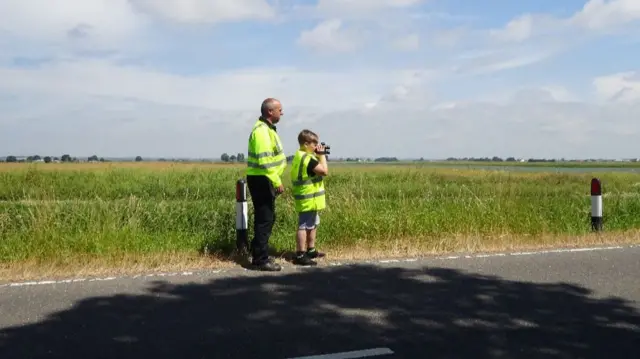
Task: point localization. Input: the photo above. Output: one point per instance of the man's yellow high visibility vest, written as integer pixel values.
(266, 155)
(308, 192)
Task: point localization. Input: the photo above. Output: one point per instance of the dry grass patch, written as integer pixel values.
(126, 264)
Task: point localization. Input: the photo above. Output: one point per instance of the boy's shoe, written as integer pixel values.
(303, 260)
(315, 254)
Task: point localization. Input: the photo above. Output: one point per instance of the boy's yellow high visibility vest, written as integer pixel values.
(308, 192)
(266, 155)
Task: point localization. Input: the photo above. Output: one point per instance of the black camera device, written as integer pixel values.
(327, 150)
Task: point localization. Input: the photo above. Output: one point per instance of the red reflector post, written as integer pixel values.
(242, 240)
(596, 205)
(241, 191)
(596, 188)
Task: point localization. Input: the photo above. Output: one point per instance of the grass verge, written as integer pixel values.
(127, 219)
(132, 264)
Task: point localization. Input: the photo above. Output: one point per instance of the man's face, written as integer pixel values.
(276, 113)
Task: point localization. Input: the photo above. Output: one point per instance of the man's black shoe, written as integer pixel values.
(268, 267)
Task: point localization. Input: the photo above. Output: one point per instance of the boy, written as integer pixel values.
(307, 172)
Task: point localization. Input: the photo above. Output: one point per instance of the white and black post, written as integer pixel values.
(596, 205)
(242, 237)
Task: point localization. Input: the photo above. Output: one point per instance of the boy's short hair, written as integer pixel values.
(307, 136)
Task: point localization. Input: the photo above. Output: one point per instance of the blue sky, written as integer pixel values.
(406, 78)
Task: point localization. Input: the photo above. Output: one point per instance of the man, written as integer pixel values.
(266, 162)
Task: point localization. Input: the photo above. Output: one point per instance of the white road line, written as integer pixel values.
(332, 264)
(351, 355)
(78, 280)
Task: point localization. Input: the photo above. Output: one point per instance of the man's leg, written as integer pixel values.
(264, 217)
(263, 226)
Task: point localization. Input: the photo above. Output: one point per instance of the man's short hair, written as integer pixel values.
(307, 136)
(267, 104)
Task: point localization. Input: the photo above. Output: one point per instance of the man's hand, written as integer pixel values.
(279, 190)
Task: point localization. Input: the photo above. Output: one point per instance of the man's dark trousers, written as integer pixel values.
(263, 198)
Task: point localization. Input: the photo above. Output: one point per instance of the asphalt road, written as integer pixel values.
(550, 305)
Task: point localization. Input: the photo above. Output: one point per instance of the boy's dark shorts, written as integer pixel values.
(308, 220)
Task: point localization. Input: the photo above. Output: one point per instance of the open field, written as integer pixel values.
(567, 164)
(101, 166)
(108, 166)
(126, 217)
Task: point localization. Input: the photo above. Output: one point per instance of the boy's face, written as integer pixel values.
(311, 146)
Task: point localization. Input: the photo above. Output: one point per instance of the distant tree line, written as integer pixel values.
(225, 157)
(492, 159)
(240, 157)
(365, 159)
(513, 159)
(64, 158)
(38, 158)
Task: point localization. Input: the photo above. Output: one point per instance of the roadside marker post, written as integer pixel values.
(242, 238)
(596, 205)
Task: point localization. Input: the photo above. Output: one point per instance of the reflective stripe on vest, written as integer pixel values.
(308, 192)
(262, 162)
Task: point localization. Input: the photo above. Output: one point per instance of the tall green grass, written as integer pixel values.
(52, 214)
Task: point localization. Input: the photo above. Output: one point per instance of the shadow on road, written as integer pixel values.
(425, 313)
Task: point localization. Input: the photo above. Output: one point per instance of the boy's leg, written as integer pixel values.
(306, 221)
(311, 239)
(301, 240)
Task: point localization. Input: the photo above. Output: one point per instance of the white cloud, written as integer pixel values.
(350, 24)
(34, 30)
(372, 12)
(401, 111)
(472, 128)
(233, 90)
(37, 29)
(209, 11)
(523, 124)
(525, 94)
(103, 107)
(604, 14)
(330, 35)
(496, 60)
(409, 42)
(560, 93)
(619, 88)
(412, 89)
(331, 6)
(518, 29)
(595, 16)
(510, 63)
(447, 37)
(107, 22)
